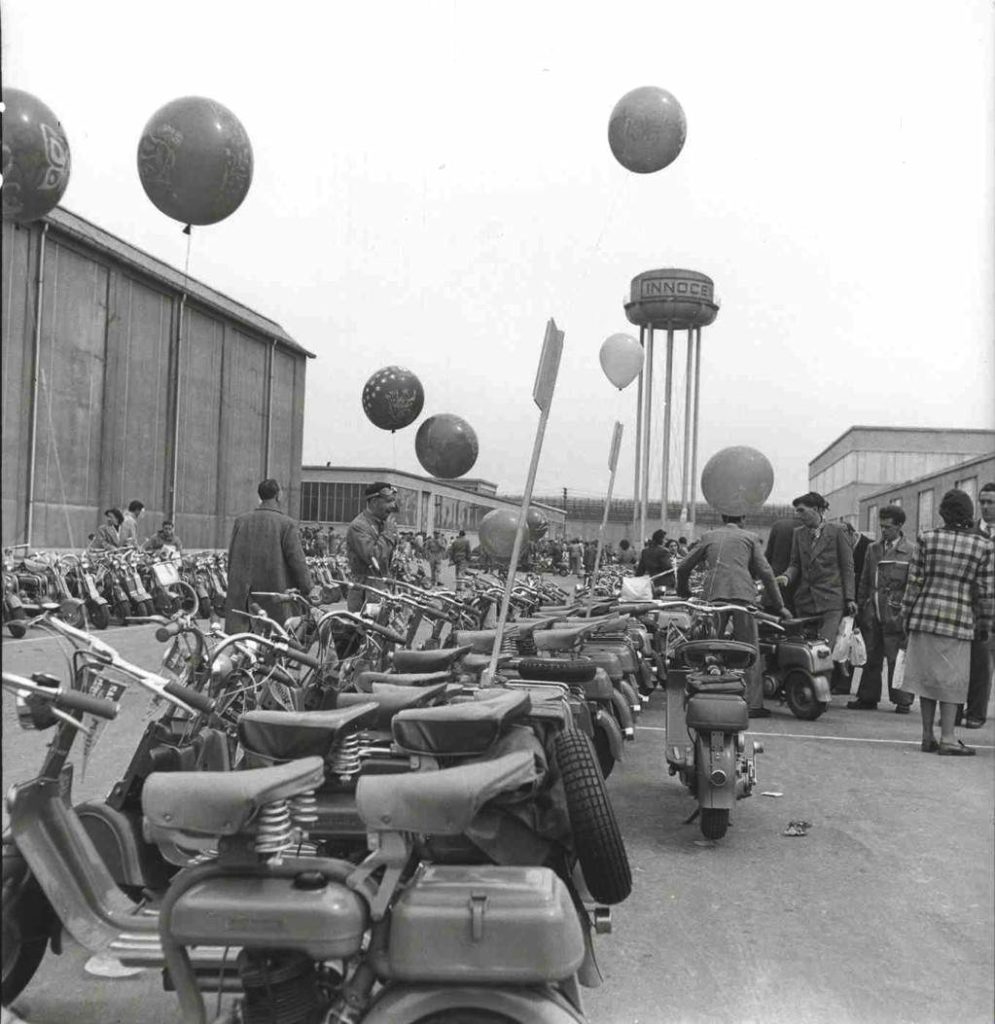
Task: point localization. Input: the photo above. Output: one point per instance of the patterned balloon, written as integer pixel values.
(35, 158)
(393, 398)
(497, 533)
(737, 480)
(647, 129)
(446, 446)
(195, 160)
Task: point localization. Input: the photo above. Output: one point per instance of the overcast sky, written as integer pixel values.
(433, 182)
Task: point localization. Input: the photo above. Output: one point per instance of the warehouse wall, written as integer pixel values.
(109, 353)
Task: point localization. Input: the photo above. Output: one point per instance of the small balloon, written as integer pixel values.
(646, 130)
(446, 446)
(537, 524)
(497, 532)
(621, 359)
(195, 160)
(36, 158)
(737, 480)
(393, 398)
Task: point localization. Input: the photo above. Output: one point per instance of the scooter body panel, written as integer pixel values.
(715, 753)
(117, 837)
(407, 1004)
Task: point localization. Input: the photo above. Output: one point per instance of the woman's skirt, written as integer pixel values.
(937, 667)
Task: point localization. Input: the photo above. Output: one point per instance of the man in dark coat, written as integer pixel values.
(371, 539)
(655, 559)
(778, 551)
(265, 553)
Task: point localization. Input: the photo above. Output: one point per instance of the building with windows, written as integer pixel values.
(333, 496)
(864, 460)
(921, 497)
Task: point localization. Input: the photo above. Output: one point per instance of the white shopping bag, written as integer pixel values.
(858, 649)
(636, 588)
(899, 677)
(841, 648)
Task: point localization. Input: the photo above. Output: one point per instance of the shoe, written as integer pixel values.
(974, 723)
(955, 749)
(901, 709)
(929, 746)
(861, 705)
(759, 712)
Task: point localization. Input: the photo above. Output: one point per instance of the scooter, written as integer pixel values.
(707, 716)
(798, 665)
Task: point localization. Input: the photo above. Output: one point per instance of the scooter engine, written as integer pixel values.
(280, 987)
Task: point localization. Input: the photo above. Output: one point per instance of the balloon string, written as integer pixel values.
(393, 441)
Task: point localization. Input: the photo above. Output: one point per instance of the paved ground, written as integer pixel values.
(884, 912)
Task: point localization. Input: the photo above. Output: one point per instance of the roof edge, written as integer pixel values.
(966, 464)
(896, 430)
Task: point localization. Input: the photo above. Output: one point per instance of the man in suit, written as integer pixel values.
(879, 600)
(778, 551)
(265, 553)
(370, 540)
(821, 569)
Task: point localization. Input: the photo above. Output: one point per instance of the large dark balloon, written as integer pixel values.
(497, 532)
(446, 446)
(737, 480)
(646, 130)
(35, 158)
(195, 160)
(392, 398)
(537, 523)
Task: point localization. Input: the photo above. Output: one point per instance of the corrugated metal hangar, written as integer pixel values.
(124, 380)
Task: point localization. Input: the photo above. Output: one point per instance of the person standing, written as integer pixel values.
(165, 541)
(107, 536)
(264, 554)
(459, 553)
(979, 689)
(655, 559)
(434, 550)
(626, 556)
(821, 570)
(735, 559)
(949, 602)
(879, 603)
(370, 540)
(129, 527)
(778, 551)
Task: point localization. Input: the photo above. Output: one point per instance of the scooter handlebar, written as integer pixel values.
(194, 698)
(72, 700)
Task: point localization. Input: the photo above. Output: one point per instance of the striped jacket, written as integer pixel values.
(951, 588)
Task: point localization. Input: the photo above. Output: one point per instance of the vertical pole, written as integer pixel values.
(694, 433)
(686, 470)
(636, 493)
(269, 408)
(175, 467)
(35, 372)
(613, 467)
(665, 472)
(647, 434)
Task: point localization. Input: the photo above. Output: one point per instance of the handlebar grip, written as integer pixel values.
(163, 633)
(388, 634)
(302, 657)
(198, 701)
(71, 700)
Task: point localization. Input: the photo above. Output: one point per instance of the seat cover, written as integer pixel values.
(429, 661)
(459, 729)
(441, 802)
(559, 639)
(366, 680)
(478, 662)
(223, 803)
(391, 699)
(287, 735)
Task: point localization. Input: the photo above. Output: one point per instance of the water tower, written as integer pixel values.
(670, 300)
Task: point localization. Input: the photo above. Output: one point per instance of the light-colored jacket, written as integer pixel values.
(735, 558)
(882, 585)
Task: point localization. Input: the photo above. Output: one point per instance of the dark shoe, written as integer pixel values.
(956, 749)
(974, 723)
(861, 705)
(902, 709)
(759, 712)
(929, 746)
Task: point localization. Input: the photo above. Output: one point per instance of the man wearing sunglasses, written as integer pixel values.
(370, 540)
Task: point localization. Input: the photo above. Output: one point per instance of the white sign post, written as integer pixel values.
(613, 467)
(542, 395)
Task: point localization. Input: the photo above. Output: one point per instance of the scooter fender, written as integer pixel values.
(609, 726)
(821, 686)
(407, 1004)
(118, 839)
(624, 715)
(715, 761)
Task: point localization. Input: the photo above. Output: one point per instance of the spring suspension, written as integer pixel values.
(344, 758)
(304, 811)
(274, 828)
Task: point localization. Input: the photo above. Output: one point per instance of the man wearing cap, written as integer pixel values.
(821, 570)
(370, 540)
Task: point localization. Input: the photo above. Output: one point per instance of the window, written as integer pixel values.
(872, 518)
(925, 510)
(969, 487)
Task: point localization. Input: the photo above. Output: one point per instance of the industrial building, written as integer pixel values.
(123, 379)
(920, 497)
(333, 496)
(863, 460)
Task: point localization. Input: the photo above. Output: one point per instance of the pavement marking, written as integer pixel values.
(804, 736)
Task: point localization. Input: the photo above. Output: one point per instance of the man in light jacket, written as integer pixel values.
(370, 540)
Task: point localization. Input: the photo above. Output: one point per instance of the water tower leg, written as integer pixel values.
(686, 470)
(647, 434)
(667, 411)
(694, 432)
(636, 492)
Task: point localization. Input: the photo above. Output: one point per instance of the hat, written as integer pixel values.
(378, 488)
(813, 499)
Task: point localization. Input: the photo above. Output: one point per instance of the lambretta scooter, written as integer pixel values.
(707, 716)
(798, 664)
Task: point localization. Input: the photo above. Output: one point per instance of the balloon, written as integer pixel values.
(35, 158)
(736, 480)
(497, 533)
(195, 160)
(646, 130)
(446, 446)
(537, 523)
(392, 398)
(621, 359)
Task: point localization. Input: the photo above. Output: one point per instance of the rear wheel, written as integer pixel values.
(799, 692)
(714, 822)
(204, 607)
(100, 616)
(603, 750)
(597, 839)
(122, 610)
(465, 1015)
(16, 623)
(27, 921)
(184, 597)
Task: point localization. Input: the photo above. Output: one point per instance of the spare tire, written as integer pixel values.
(557, 670)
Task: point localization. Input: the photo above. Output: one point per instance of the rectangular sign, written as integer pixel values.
(549, 366)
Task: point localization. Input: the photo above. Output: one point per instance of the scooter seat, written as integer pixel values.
(608, 624)
(286, 735)
(727, 653)
(459, 729)
(478, 662)
(727, 682)
(366, 680)
(481, 641)
(429, 661)
(223, 803)
(560, 639)
(391, 699)
(442, 802)
(720, 712)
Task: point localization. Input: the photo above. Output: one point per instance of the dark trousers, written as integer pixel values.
(979, 689)
(881, 647)
(744, 628)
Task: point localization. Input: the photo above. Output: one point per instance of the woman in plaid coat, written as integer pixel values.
(949, 601)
